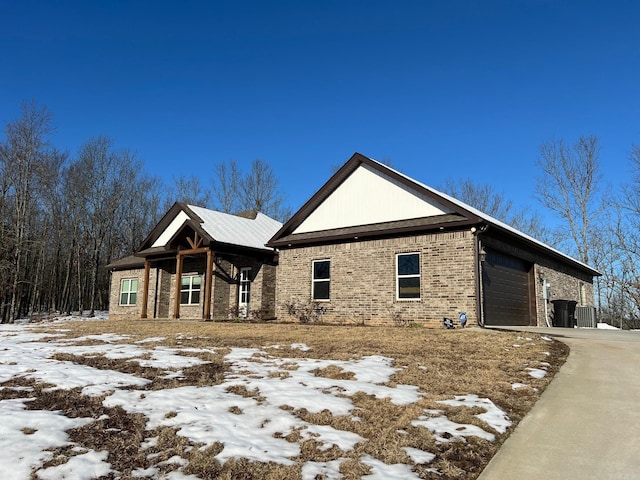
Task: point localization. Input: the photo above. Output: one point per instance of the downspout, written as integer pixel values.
(478, 274)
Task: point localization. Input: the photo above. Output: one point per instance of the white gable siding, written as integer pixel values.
(366, 197)
(171, 230)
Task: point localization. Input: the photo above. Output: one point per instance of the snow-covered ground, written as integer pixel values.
(606, 326)
(247, 427)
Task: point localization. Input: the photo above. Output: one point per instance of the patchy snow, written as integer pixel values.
(537, 372)
(250, 413)
(382, 471)
(606, 326)
(85, 466)
(517, 385)
(152, 340)
(418, 456)
(445, 430)
(495, 417)
(26, 435)
(328, 470)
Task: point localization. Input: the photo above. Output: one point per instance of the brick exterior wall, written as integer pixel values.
(125, 312)
(224, 293)
(363, 279)
(564, 286)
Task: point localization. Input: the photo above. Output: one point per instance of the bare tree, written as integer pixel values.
(139, 211)
(226, 187)
(23, 157)
(491, 202)
(481, 196)
(258, 190)
(622, 270)
(570, 186)
(188, 190)
(61, 221)
(103, 182)
(49, 235)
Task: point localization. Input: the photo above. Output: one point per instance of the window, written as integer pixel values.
(244, 292)
(321, 279)
(190, 290)
(128, 291)
(408, 276)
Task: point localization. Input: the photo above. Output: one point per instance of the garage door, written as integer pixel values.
(505, 283)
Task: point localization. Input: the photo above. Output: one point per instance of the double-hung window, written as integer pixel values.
(190, 290)
(408, 276)
(321, 280)
(128, 291)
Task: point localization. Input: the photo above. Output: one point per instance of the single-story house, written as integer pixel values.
(199, 264)
(374, 246)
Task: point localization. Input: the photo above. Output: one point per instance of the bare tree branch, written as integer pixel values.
(570, 186)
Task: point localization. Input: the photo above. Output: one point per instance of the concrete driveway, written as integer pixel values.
(587, 422)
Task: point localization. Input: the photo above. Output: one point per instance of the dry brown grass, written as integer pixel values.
(442, 363)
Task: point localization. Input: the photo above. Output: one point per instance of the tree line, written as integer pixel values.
(63, 216)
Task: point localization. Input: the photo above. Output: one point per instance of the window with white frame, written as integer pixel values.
(321, 279)
(408, 276)
(190, 290)
(244, 291)
(128, 291)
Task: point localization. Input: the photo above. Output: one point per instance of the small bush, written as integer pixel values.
(396, 317)
(306, 312)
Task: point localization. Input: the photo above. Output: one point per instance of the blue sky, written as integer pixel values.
(442, 89)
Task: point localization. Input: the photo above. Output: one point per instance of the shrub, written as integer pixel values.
(306, 312)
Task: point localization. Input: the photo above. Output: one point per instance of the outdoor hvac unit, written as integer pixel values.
(586, 317)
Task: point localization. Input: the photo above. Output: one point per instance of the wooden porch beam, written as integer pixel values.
(207, 285)
(193, 251)
(145, 289)
(177, 288)
(196, 241)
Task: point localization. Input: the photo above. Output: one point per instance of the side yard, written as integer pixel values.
(145, 399)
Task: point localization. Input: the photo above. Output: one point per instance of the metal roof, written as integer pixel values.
(236, 230)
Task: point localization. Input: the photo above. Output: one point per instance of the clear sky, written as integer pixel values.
(442, 89)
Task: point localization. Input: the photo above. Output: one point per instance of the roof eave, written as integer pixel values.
(328, 236)
(546, 249)
(341, 175)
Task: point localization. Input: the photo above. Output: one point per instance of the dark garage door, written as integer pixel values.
(505, 283)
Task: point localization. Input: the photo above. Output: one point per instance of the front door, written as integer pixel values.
(244, 292)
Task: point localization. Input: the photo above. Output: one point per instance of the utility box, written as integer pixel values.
(564, 313)
(586, 317)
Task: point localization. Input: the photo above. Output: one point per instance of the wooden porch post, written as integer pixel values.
(176, 300)
(207, 285)
(145, 288)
